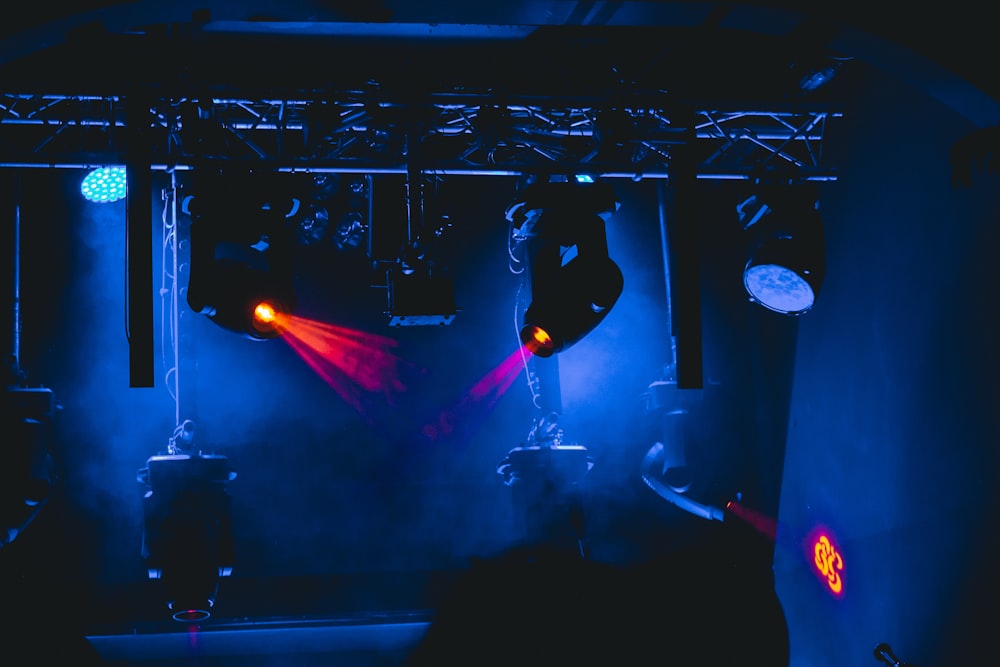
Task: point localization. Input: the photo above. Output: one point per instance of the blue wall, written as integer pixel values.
(892, 437)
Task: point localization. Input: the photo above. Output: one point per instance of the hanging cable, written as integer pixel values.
(514, 243)
(519, 307)
(169, 303)
(515, 263)
(166, 288)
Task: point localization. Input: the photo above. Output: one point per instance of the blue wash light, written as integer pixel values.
(785, 263)
(104, 185)
(779, 288)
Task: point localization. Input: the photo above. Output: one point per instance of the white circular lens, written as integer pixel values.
(778, 288)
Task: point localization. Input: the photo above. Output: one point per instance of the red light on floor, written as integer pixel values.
(829, 563)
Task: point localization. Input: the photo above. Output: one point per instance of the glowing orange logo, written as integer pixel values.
(829, 563)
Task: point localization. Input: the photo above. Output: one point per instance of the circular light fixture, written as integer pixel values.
(104, 185)
(350, 233)
(779, 288)
(785, 261)
(311, 224)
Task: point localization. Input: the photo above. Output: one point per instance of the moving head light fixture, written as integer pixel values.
(574, 283)
(241, 255)
(187, 540)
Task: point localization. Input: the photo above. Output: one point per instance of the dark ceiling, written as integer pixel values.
(358, 511)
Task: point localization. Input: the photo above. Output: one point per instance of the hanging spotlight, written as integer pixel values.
(241, 263)
(311, 223)
(420, 292)
(786, 260)
(325, 186)
(104, 185)
(574, 283)
(353, 225)
(351, 231)
(187, 540)
(420, 287)
(329, 208)
(245, 289)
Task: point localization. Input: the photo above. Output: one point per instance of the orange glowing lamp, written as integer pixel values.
(538, 341)
(265, 317)
(265, 313)
(829, 563)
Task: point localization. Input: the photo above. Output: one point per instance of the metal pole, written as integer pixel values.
(680, 212)
(139, 247)
(662, 196)
(16, 340)
(703, 175)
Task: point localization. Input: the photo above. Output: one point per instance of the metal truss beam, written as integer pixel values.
(459, 133)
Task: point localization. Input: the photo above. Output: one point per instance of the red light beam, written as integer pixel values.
(480, 398)
(763, 524)
(820, 547)
(359, 366)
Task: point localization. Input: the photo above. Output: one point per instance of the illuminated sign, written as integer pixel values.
(829, 563)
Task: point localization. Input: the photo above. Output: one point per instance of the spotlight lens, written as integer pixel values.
(779, 288)
(104, 185)
(265, 313)
(537, 340)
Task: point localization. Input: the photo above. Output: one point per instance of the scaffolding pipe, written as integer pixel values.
(15, 360)
(705, 175)
(662, 195)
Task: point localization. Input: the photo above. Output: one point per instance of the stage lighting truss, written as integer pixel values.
(461, 131)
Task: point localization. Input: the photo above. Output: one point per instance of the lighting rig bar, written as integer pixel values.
(459, 133)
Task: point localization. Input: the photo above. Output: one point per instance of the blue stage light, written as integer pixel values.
(785, 263)
(104, 185)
